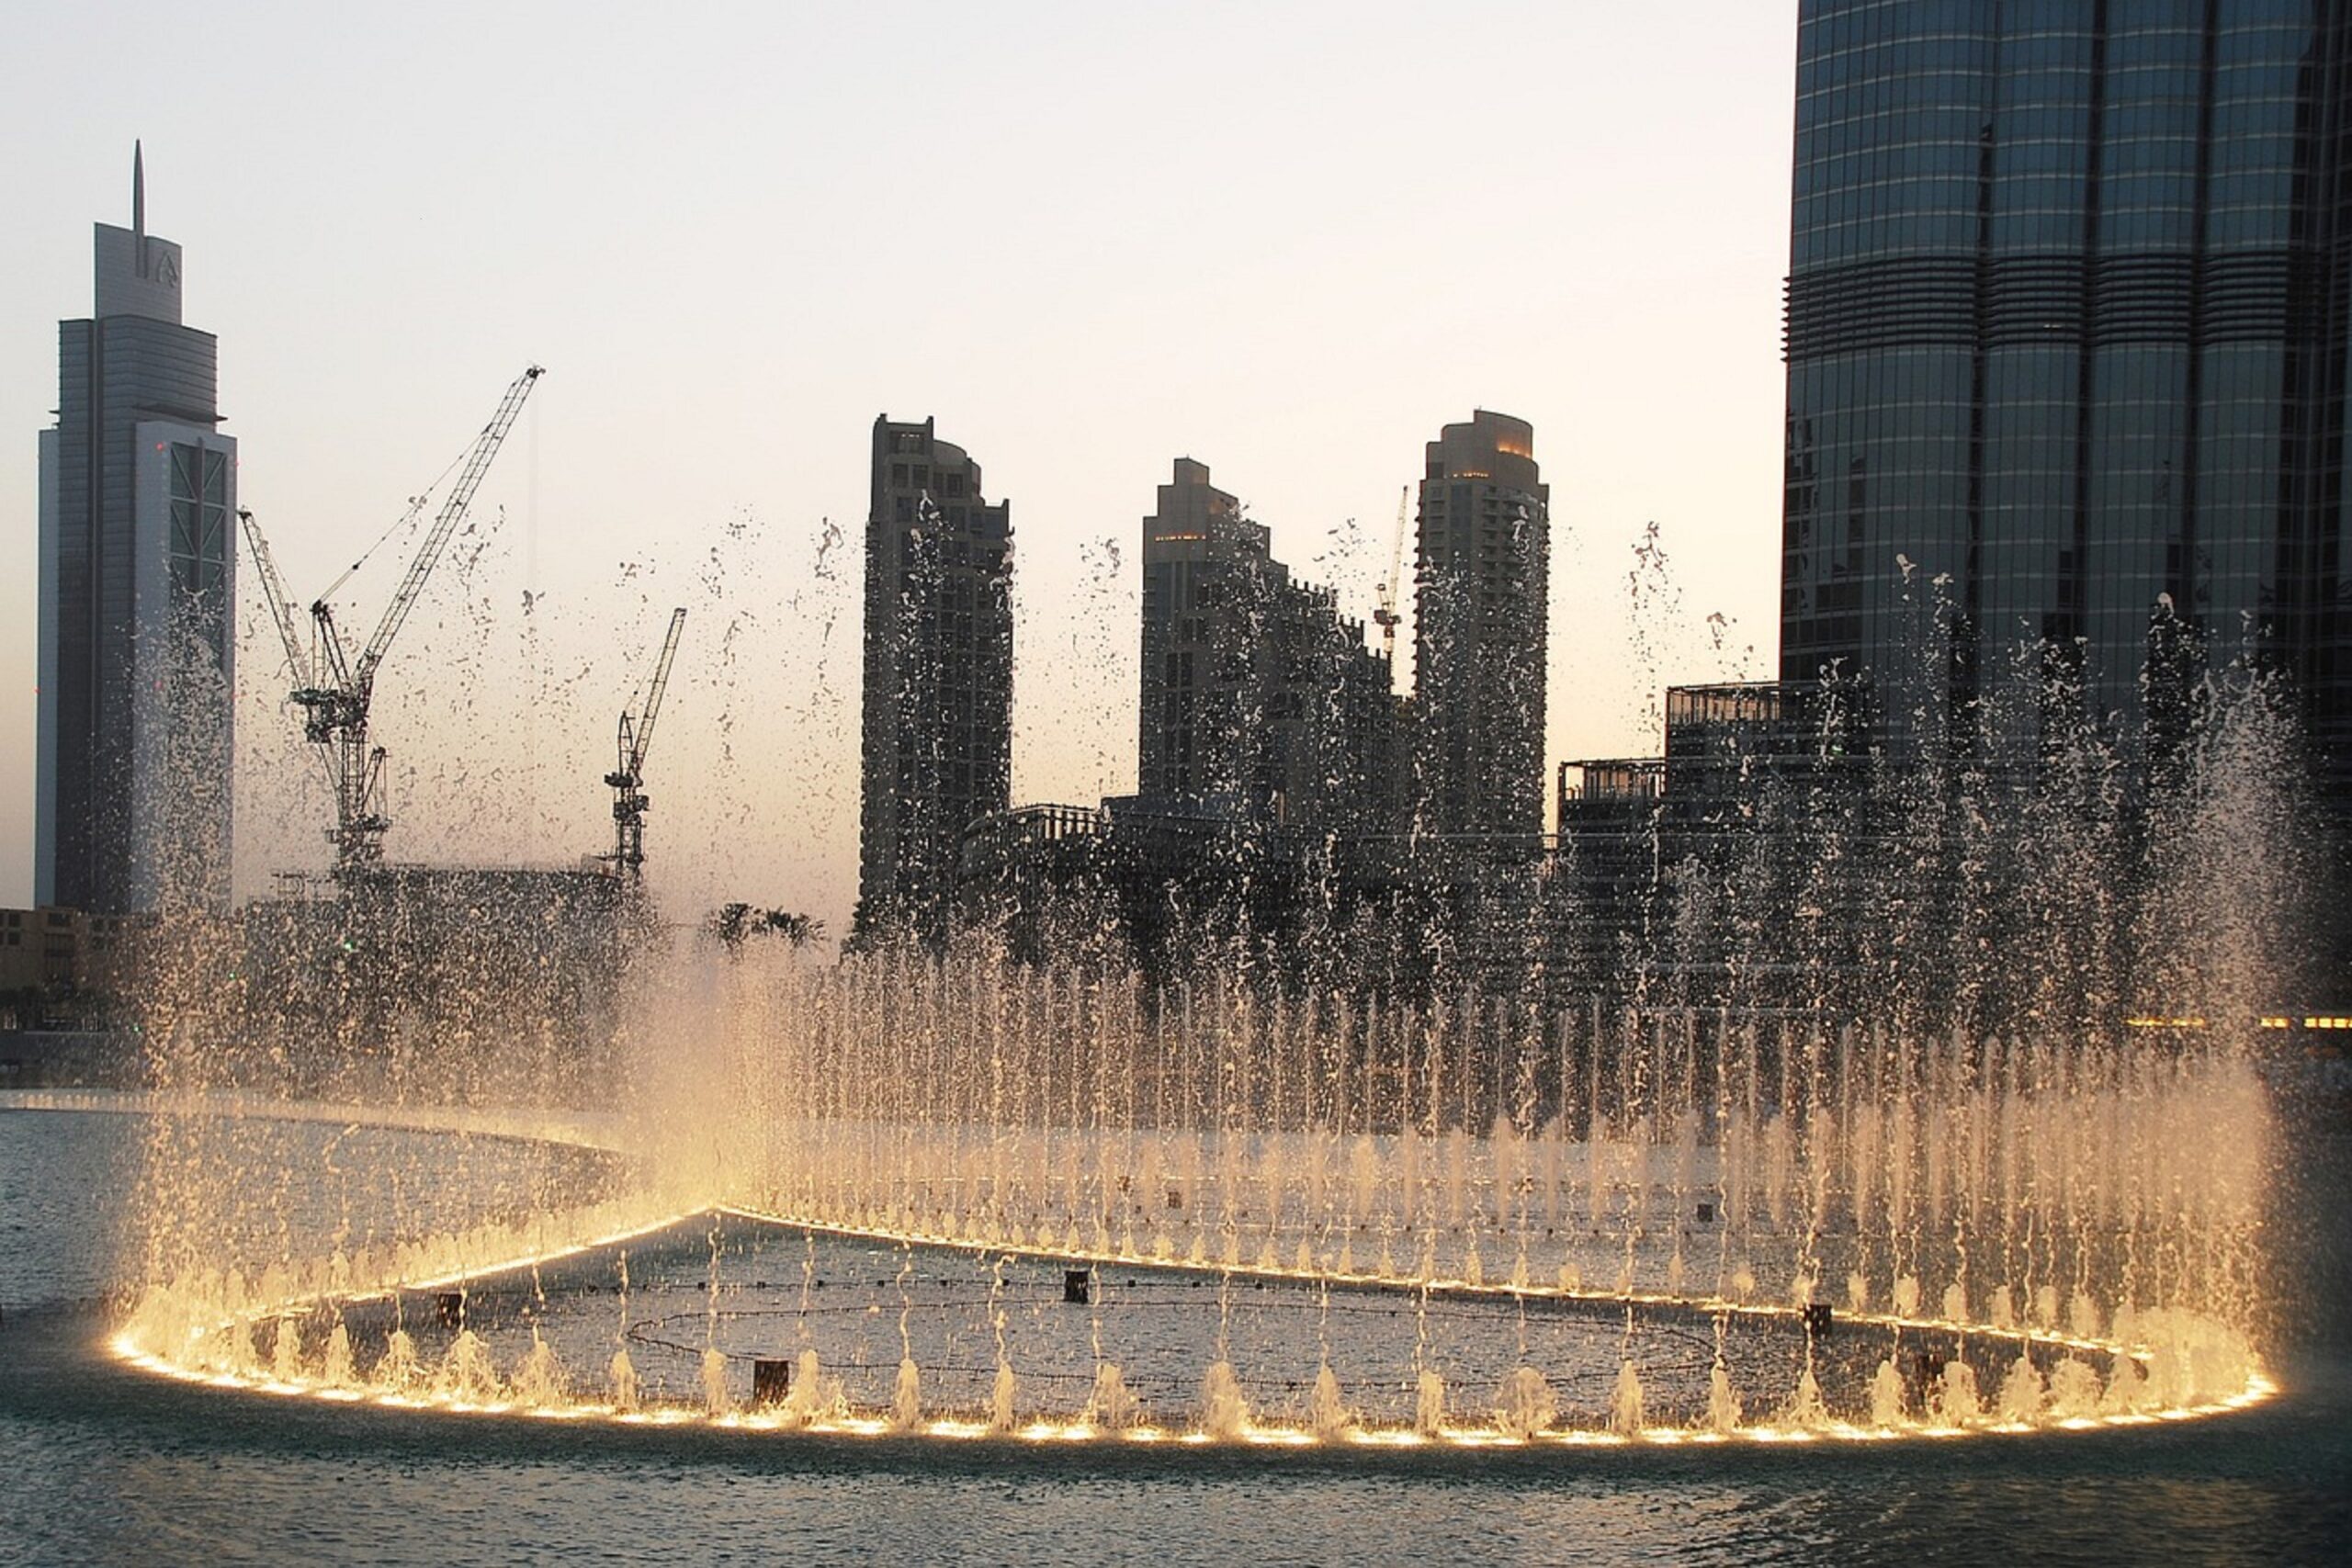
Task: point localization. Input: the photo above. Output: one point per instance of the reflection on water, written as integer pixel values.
(296, 1185)
(106, 1466)
(56, 1244)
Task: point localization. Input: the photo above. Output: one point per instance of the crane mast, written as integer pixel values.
(637, 738)
(337, 689)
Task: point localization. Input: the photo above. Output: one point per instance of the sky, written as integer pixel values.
(1288, 240)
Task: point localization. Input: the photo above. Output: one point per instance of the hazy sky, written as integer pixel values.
(1290, 240)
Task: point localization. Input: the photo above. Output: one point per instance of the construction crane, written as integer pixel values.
(1384, 617)
(297, 658)
(334, 690)
(281, 608)
(635, 740)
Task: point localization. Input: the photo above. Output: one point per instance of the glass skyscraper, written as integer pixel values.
(2066, 331)
(138, 599)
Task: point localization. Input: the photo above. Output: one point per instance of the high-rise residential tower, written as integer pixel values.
(138, 602)
(1206, 571)
(1480, 612)
(2069, 285)
(1259, 700)
(937, 751)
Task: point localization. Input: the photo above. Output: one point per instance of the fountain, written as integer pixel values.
(954, 1195)
(881, 1168)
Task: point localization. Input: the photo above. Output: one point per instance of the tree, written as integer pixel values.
(734, 923)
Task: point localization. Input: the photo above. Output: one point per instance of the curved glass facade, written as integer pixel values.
(2065, 326)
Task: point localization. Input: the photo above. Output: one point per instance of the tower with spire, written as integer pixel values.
(137, 564)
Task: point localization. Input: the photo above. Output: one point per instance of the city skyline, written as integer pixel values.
(1641, 844)
(644, 447)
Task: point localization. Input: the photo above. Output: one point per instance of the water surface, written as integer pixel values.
(108, 1466)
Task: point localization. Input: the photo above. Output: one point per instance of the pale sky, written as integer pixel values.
(1290, 240)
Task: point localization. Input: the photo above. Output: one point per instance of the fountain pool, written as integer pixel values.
(113, 1463)
(1221, 1224)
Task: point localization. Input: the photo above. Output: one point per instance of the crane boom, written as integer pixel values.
(272, 591)
(453, 512)
(660, 683)
(636, 738)
(281, 610)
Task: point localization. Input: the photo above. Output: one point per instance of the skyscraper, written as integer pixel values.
(1259, 701)
(1205, 567)
(937, 749)
(1483, 583)
(138, 601)
(2068, 289)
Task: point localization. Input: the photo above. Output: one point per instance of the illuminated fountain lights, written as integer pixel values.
(965, 1200)
(961, 1197)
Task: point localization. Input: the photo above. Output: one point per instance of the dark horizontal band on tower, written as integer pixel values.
(1958, 300)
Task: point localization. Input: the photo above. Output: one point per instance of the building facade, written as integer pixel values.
(137, 635)
(1206, 571)
(57, 953)
(1482, 596)
(1724, 871)
(1259, 701)
(2067, 347)
(936, 751)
